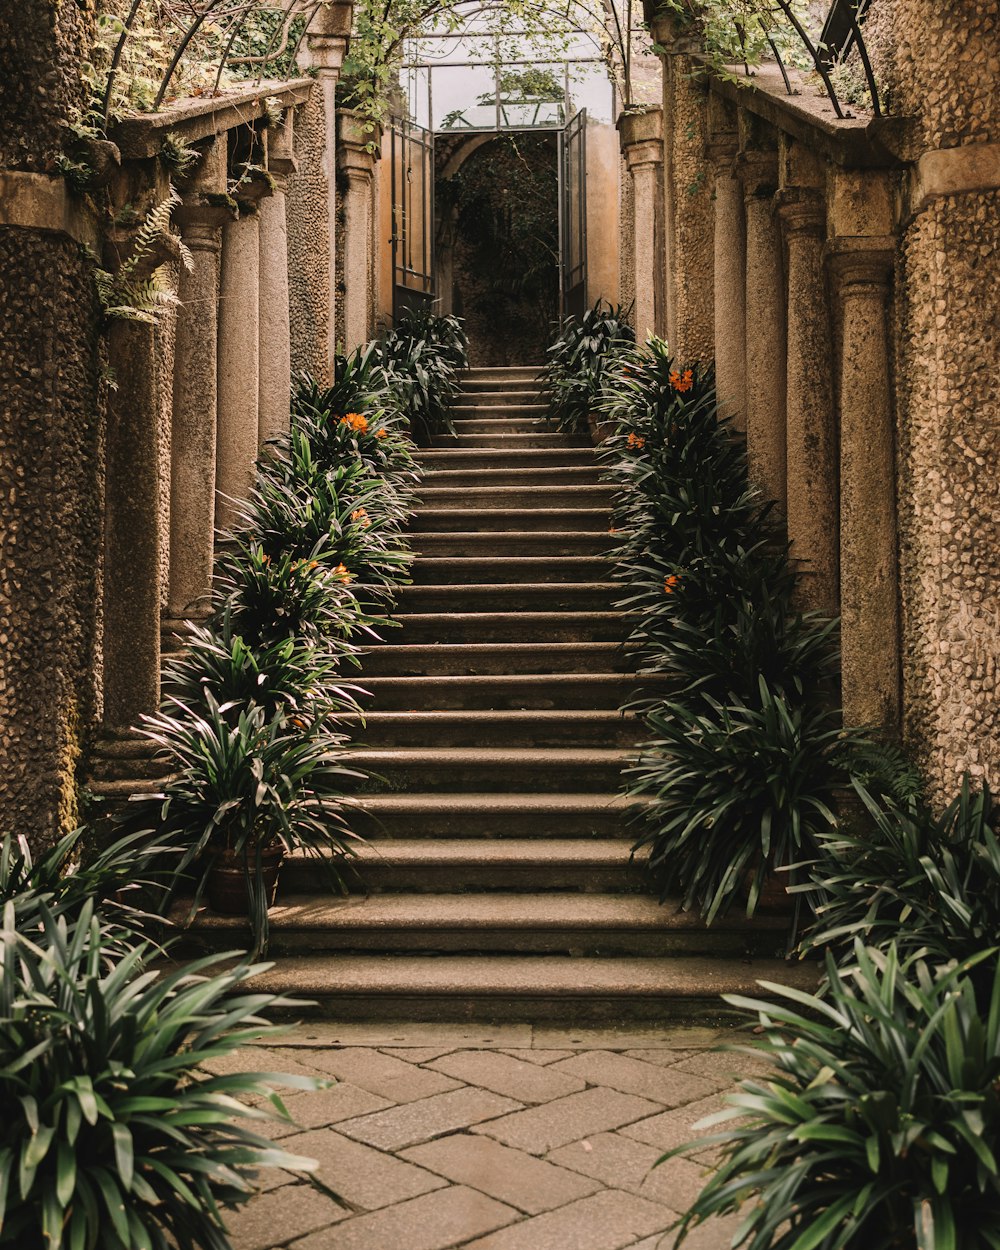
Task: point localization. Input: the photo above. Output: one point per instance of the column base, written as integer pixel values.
(122, 764)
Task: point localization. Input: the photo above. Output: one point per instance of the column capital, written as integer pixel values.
(802, 211)
(758, 171)
(325, 54)
(861, 261)
(723, 150)
(281, 160)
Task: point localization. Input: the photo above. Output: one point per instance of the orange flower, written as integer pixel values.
(612, 530)
(670, 585)
(314, 564)
(636, 441)
(361, 517)
(381, 433)
(356, 421)
(682, 382)
(341, 572)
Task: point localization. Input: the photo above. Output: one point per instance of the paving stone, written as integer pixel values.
(726, 1067)
(381, 1074)
(541, 1057)
(285, 1213)
(363, 1177)
(447, 1217)
(631, 1076)
(416, 1054)
(610, 1220)
(541, 1129)
(325, 1106)
(585, 1038)
(663, 1058)
(622, 1163)
(489, 1069)
(508, 1175)
(430, 1117)
(715, 1234)
(674, 1128)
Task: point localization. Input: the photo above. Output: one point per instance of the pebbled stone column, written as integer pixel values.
(357, 164)
(642, 146)
(765, 327)
(811, 431)
(862, 269)
(730, 287)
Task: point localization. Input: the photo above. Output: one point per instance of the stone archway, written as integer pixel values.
(497, 239)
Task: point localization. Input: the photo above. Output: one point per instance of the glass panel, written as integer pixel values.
(417, 85)
(464, 97)
(590, 89)
(533, 95)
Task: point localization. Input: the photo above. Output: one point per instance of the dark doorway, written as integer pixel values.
(498, 241)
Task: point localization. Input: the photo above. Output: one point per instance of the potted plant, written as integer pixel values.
(244, 792)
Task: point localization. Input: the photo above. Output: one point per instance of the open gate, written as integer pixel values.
(412, 174)
(573, 215)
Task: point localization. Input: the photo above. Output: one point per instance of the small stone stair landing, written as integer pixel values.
(498, 873)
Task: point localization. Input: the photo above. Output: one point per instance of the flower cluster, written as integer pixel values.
(682, 382)
(360, 517)
(342, 573)
(636, 441)
(356, 421)
(670, 584)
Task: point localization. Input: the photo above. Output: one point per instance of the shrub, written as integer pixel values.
(929, 882)
(110, 1134)
(881, 1124)
(419, 362)
(580, 359)
(736, 791)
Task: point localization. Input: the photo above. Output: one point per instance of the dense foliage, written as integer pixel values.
(580, 359)
(418, 365)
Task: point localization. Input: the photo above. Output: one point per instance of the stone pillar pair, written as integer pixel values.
(641, 135)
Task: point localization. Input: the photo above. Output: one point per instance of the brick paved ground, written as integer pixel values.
(508, 1138)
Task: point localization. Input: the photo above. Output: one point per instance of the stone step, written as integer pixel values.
(487, 770)
(675, 990)
(492, 817)
(573, 923)
(447, 866)
(505, 457)
(544, 522)
(514, 441)
(514, 424)
(493, 396)
(481, 728)
(502, 411)
(448, 628)
(451, 599)
(495, 569)
(520, 497)
(513, 376)
(515, 691)
(554, 478)
(399, 660)
(524, 544)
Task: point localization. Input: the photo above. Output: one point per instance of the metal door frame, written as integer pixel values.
(412, 286)
(572, 276)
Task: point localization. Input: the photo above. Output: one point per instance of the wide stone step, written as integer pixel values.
(524, 544)
(493, 816)
(446, 866)
(461, 459)
(493, 396)
(503, 627)
(520, 521)
(521, 497)
(502, 412)
(494, 570)
(505, 597)
(514, 441)
(573, 923)
(488, 770)
(554, 478)
(511, 377)
(479, 728)
(511, 424)
(674, 990)
(493, 657)
(516, 691)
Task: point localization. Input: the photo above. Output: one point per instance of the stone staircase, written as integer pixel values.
(498, 876)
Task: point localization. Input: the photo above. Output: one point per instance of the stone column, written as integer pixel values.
(765, 327)
(811, 431)
(730, 288)
(642, 147)
(357, 164)
(238, 372)
(312, 196)
(275, 349)
(131, 533)
(193, 429)
(862, 269)
(688, 212)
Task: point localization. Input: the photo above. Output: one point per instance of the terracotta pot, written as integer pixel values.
(227, 886)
